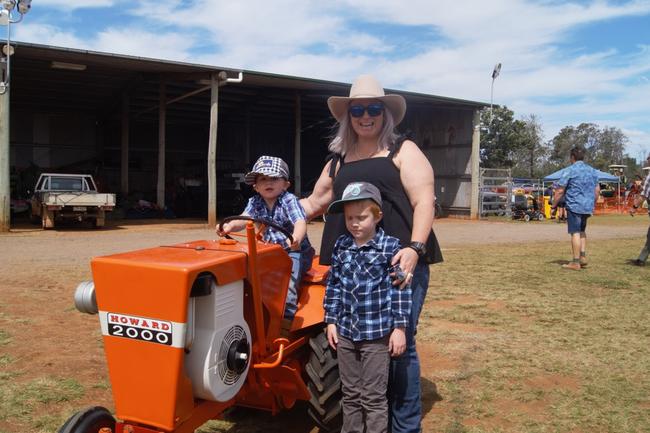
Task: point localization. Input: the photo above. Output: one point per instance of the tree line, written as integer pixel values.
(519, 144)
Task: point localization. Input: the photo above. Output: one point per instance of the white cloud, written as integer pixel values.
(46, 34)
(136, 42)
(76, 4)
(545, 71)
(128, 41)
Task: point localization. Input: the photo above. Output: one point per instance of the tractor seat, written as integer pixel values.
(317, 273)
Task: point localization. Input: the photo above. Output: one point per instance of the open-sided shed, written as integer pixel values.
(143, 126)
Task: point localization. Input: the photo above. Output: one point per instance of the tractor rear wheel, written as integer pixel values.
(324, 385)
(89, 420)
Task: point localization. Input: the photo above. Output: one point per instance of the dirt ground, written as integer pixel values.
(39, 271)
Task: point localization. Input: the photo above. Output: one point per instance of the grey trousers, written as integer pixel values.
(363, 367)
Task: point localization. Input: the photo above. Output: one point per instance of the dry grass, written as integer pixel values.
(509, 343)
(538, 348)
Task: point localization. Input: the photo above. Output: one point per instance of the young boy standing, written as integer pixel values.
(366, 314)
(270, 180)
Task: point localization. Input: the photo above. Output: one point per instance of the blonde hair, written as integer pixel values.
(345, 138)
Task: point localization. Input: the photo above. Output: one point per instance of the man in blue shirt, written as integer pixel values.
(579, 186)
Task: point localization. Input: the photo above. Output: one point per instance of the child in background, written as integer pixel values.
(366, 314)
(270, 179)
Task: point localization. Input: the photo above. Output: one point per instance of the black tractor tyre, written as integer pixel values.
(324, 384)
(89, 420)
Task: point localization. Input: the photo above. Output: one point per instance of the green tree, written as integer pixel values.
(603, 147)
(584, 135)
(609, 149)
(533, 153)
(502, 136)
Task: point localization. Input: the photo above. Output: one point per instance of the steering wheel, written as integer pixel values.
(263, 225)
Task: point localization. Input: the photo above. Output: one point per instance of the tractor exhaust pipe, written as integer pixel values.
(84, 298)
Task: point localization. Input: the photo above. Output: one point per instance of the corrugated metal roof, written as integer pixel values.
(110, 62)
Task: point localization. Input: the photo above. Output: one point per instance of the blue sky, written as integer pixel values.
(565, 62)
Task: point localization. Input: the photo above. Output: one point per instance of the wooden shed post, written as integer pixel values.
(124, 164)
(297, 178)
(162, 114)
(212, 151)
(475, 160)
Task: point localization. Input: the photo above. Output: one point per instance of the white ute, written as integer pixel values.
(69, 196)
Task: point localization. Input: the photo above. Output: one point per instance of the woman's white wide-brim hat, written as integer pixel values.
(367, 87)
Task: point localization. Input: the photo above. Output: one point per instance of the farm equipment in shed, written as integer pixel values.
(193, 329)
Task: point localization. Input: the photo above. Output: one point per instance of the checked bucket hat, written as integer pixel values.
(271, 166)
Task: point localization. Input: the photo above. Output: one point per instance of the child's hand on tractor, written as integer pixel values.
(397, 342)
(332, 336)
(297, 240)
(224, 230)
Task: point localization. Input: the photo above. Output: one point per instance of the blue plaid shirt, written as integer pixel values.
(360, 297)
(579, 183)
(286, 211)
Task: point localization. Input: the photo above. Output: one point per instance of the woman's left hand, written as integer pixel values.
(406, 258)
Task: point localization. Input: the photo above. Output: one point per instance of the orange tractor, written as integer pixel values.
(193, 329)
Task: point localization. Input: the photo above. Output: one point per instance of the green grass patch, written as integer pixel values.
(5, 360)
(22, 401)
(5, 338)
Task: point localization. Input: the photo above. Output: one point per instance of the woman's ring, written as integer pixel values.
(409, 275)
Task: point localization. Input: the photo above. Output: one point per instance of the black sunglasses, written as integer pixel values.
(373, 110)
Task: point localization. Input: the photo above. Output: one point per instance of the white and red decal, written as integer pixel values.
(142, 328)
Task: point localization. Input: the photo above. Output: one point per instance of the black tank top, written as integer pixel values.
(396, 207)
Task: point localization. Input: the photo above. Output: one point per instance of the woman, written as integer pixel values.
(367, 149)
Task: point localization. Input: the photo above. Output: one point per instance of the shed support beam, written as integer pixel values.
(475, 160)
(162, 114)
(212, 151)
(297, 178)
(247, 150)
(124, 164)
(171, 101)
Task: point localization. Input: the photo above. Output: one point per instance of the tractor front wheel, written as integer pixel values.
(324, 385)
(89, 420)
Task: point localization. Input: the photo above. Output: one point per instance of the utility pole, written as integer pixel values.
(5, 190)
(495, 73)
(7, 10)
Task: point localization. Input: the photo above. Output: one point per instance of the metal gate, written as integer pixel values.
(495, 191)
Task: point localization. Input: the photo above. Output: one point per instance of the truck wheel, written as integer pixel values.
(324, 385)
(47, 218)
(89, 420)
